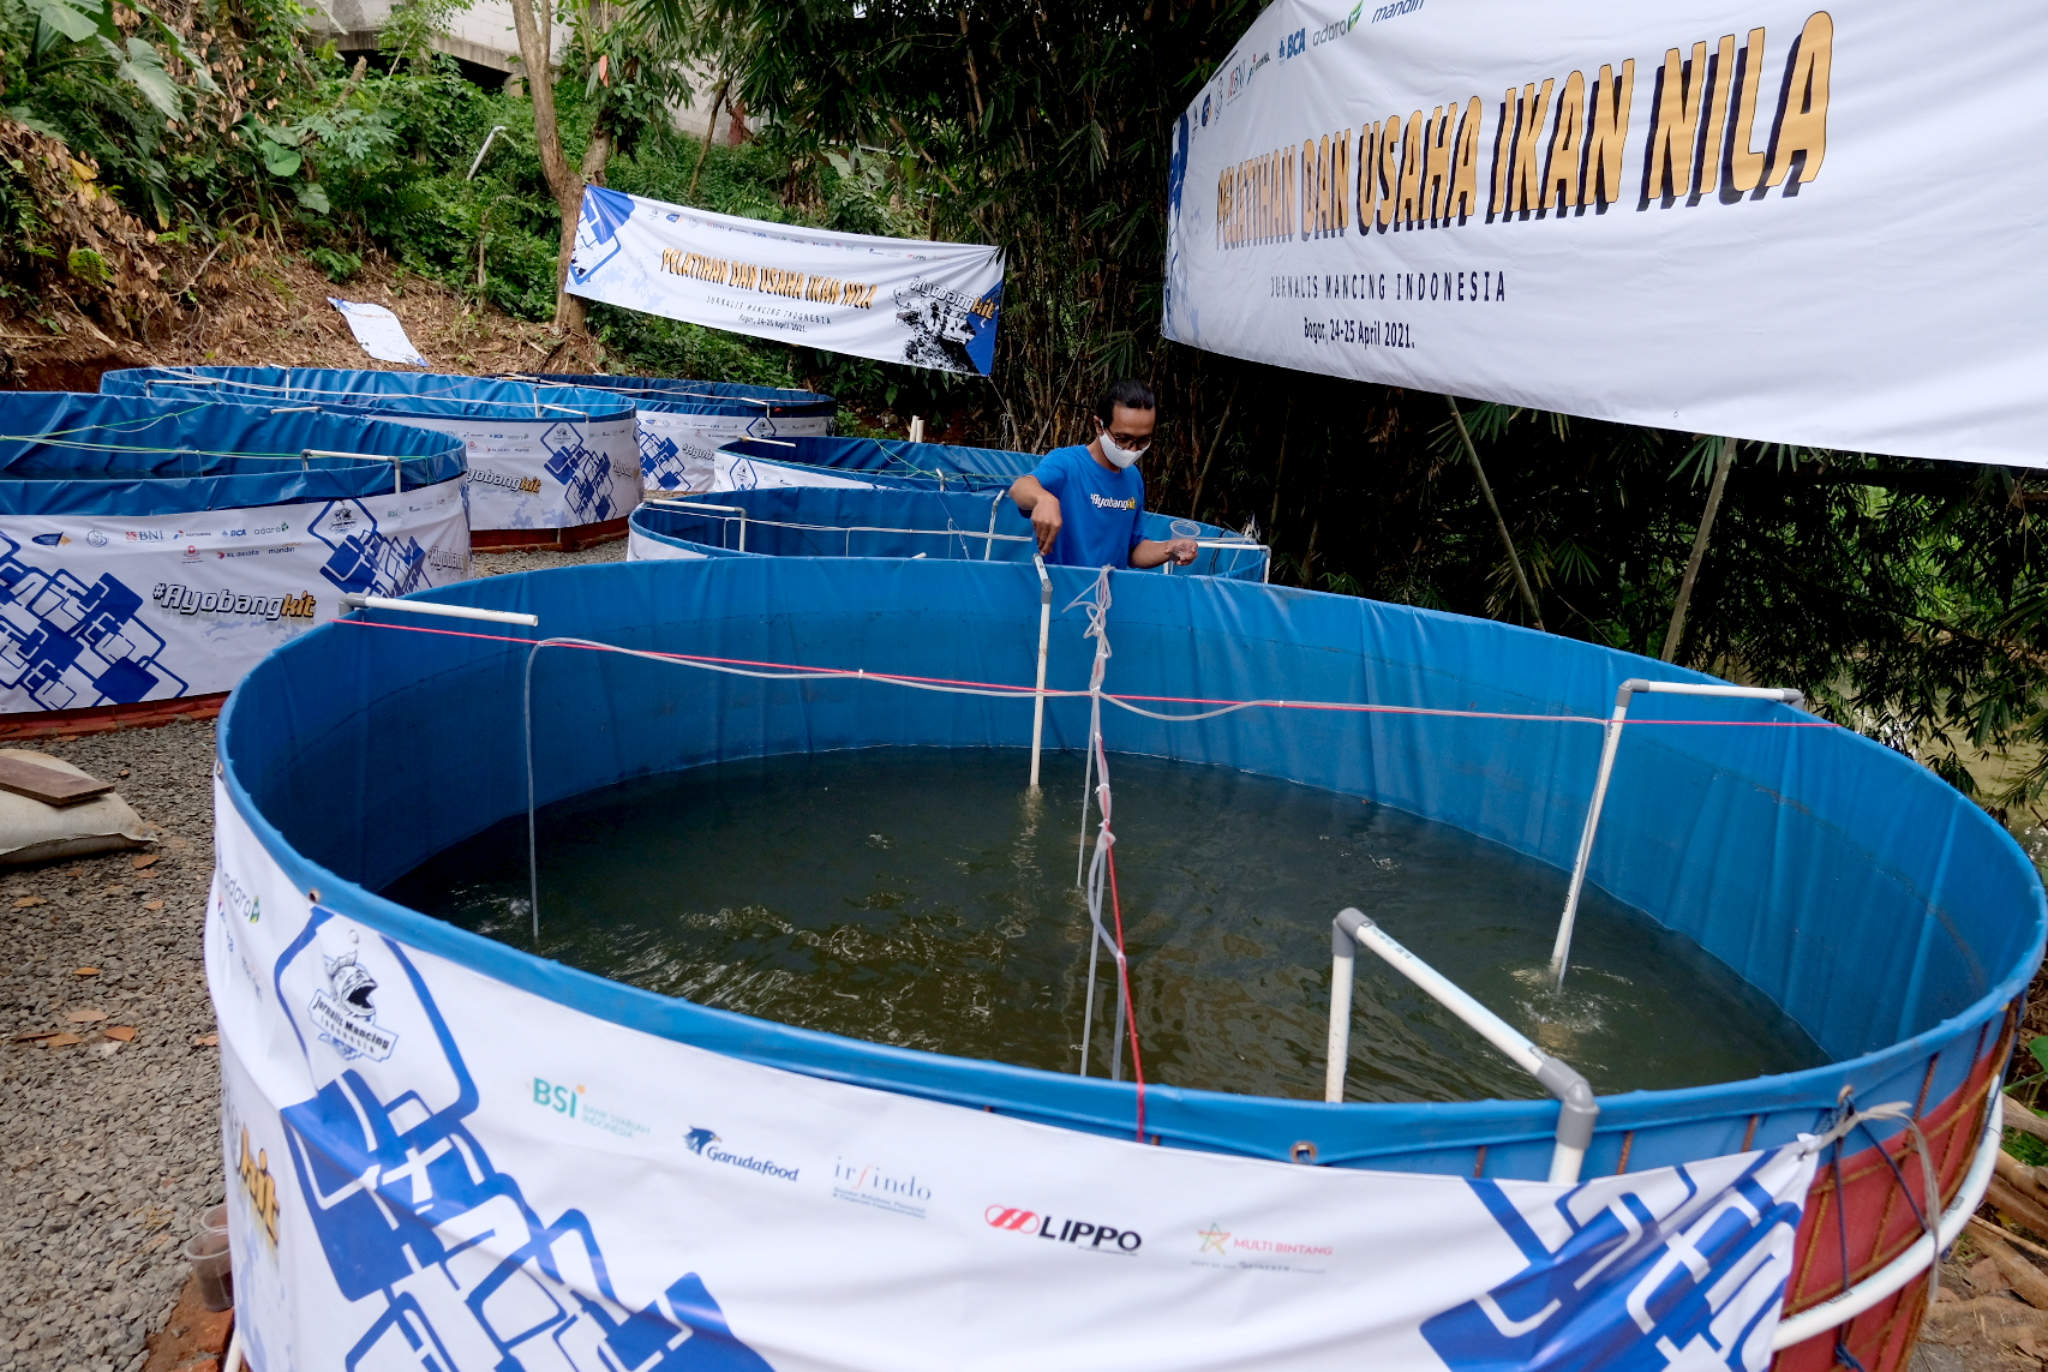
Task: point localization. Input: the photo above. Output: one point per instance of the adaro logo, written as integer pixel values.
(1099, 1238)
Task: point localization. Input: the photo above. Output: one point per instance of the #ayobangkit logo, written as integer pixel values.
(704, 1143)
(571, 1103)
(345, 1013)
(1090, 1236)
(870, 1183)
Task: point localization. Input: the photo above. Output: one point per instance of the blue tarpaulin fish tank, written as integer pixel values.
(1895, 923)
(683, 423)
(548, 465)
(797, 521)
(151, 551)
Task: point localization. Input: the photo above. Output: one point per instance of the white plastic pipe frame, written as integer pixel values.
(354, 601)
(1926, 1250)
(1561, 950)
(1044, 637)
(706, 505)
(1577, 1109)
(397, 464)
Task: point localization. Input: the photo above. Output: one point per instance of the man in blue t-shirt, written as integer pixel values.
(1084, 502)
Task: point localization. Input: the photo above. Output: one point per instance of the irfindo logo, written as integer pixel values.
(1124, 1241)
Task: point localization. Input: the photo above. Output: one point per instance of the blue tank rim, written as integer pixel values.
(1093, 1103)
(643, 516)
(684, 396)
(200, 470)
(382, 398)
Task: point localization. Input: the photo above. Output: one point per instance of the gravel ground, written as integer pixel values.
(110, 1150)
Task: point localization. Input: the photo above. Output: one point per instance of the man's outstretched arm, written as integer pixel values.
(1041, 506)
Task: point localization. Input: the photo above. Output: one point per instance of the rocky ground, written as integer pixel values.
(109, 1146)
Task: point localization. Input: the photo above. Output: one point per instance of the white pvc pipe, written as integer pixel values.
(1578, 1111)
(1894, 1275)
(428, 607)
(1343, 967)
(231, 1361)
(1454, 998)
(1044, 637)
(1561, 949)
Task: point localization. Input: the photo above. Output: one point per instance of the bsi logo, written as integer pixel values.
(1124, 1241)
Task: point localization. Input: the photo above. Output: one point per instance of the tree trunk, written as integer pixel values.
(1507, 540)
(536, 45)
(1676, 631)
(710, 134)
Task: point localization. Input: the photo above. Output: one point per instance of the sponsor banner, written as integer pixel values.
(102, 610)
(892, 299)
(679, 451)
(559, 473)
(1695, 216)
(437, 1170)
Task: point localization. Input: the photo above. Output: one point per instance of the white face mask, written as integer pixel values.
(1119, 457)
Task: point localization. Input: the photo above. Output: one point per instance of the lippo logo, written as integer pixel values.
(1096, 1238)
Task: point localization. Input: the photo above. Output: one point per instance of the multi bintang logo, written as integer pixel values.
(1092, 1236)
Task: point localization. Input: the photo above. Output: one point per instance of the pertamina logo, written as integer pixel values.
(1095, 1238)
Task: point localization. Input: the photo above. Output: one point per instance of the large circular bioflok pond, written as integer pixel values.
(726, 1089)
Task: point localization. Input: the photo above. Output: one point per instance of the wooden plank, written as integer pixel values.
(50, 785)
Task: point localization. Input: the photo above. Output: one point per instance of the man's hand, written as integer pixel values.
(1182, 550)
(1045, 521)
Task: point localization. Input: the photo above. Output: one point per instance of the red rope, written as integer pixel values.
(1123, 967)
(1026, 691)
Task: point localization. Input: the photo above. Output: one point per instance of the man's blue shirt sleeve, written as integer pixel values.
(1051, 473)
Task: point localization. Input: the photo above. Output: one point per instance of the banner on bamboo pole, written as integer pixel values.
(892, 299)
(1742, 219)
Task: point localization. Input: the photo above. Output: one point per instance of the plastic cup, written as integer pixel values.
(208, 1254)
(1186, 528)
(215, 1221)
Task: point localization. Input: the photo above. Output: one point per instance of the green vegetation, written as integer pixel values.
(1909, 598)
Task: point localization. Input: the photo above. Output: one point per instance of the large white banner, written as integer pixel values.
(1760, 219)
(429, 1169)
(892, 299)
(556, 472)
(103, 610)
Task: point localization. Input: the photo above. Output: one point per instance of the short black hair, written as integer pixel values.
(1132, 395)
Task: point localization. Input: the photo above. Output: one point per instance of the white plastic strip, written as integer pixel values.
(1896, 1274)
(428, 607)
